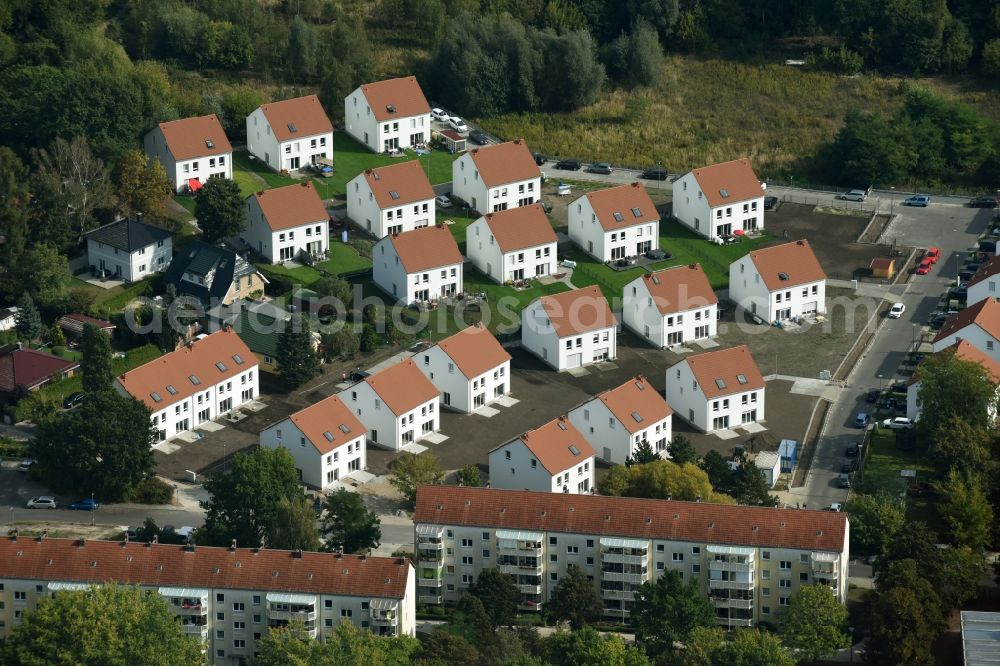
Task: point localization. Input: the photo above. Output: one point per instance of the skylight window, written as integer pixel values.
(209, 143)
(156, 397)
(619, 217)
(742, 379)
(194, 380)
(292, 128)
(782, 276)
(328, 435)
(221, 366)
(725, 193)
(572, 449)
(171, 390)
(636, 212)
(562, 426)
(344, 429)
(238, 359)
(394, 194)
(637, 416)
(721, 383)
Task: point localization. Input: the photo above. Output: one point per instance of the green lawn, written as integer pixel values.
(242, 162)
(884, 461)
(185, 201)
(459, 224)
(248, 184)
(133, 359)
(344, 259)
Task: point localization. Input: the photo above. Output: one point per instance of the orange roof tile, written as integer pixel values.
(328, 424)
(578, 311)
(668, 520)
(736, 178)
(402, 95)
(291, 206)
(718, 373)
(505, 163)
(985, 314)
(406, 180)
(636, 397)
(201, 136)
(987, 270)
(967, 351)
(794, 260)
(679, 289)
(520, 228)
(558, 445)
(171, 377)
(153, 565)
(402, 387)
(623, 206)
(474, 350)
(304, 114)
(426, 248)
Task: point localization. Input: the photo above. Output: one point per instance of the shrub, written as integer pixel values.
(152, 490)
(991, 58)
(841, 61)
(11, 448)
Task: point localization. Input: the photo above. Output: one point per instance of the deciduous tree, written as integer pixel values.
(142, 185)
(411, 471)
(219, 209)
(752, 647)
(953, 387)
(899, 631)
(586, 646)
(661, 479)
(81, 179)
(966, 510)
(469, 476)
(49, 274)
(814, 623)
(444, 647)
(575, 599)
(347, 523)
(293, 526)
(667, 610)
(875, 521)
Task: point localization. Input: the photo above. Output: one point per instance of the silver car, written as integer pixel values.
(854, 195)
(43, 502)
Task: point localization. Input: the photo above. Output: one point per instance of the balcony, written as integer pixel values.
(430, 563)
(723, 602)
(430, 582)
(429, 545)
(714, 565)
(521, 569)
(734, 622)
(385, 620)
(430, 599)
(520, 548)
(199, 631)
(529, 589)
(622, 558)
(617, 612)
(530, 605)
(628, 595)
(731, 584)
(289, 615)
(624, 577)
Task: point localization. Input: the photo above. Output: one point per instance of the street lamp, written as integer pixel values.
(913, 338)
(892, 199)
(851, 630)
(92, 507)
(879, 383)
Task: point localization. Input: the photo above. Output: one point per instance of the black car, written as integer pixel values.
(569, 165)
(479, 137)
(872, 397)
(657, 254)
(600, 167)
(849, 466)
(540, 159)
(73, 399)
(988, 246)
(654, 173)
(960, 292)
(770, 203)
(853, 450)
(985, 201)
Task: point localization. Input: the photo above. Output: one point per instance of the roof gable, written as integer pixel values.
(679, 289)
(200, 136)
(423, 249)
(636, 404)
(296, 118)
(728, 183)
(787, 265)
(557, 445)
(291, 206)
(504, 163)
(328, 424)
(622, 207)
(986, 271)
(402, 387)
(985, 314)
(22, 369)
(393, 99)
(398, 184)
(128, 235)
(520, 228)
(474, 351)
(578, 311)
(725, 372)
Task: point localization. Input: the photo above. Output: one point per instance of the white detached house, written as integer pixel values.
(779, 282)
(398, 405)
(286, 222)
(291, 134)
(553, 458)
(514, 244)
(717, 390)
(326, 440)
(129, 249)
(388, 115)
(615, 222)
(719, 200)
(985, 283)
(977, 324)
(494, 178)
(671, 306)
(617, 421)
(470, 369)
(419, 266)
(191, 151)
(571, 329)
(391, 199)
(965, 351)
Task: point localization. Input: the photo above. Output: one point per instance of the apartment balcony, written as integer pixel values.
(430, 599)
(624, 577)
(628, 595)
(731, 584)
(831, 575)
(529, 589)
(385, 620)
(530, 605)
(723, 602)
(522, 569)
(199, 631)
(621, 558)
(532, 549)
(617, 612)
(734, 622)
(430, 563)
(747, 567)
(430, 582)
(429, 545)
(289, 615)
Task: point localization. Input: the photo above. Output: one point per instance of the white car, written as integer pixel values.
(440, 115)
(854, 195)
(896, 311)
(43, 502)
(898, 423)
(442, 201)
(458, 124)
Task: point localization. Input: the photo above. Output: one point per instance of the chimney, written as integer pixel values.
(297, 553)
(232, 546)
(156, 539)
(138, 217)
(13, 534)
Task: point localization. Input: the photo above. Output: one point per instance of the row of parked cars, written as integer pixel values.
(49, 502)
(456, 123)
(921, 200)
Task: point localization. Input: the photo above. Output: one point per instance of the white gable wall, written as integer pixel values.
(316, 469)
(609, 437)
(364, 210)
(523, 471)
(386, 429)
(539, 337)
(975, 336)
(586, 231)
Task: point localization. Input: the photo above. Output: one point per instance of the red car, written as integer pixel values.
(925, 266)
(932, 254)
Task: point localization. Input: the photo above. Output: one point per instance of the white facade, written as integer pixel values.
(458, 392)
(641, 314)
(387, 135)
(286, 244)
(986, 288)
(181, 171)
(748, 290)
(516, 467)
(485, 254)
(974, 335)
(586, 231)
(468, 186)
(688, 401)
(386, 429)
(364, 210)
(316, 469)
(140, 264)
(770, 464)
(691, 207)
(611, 439)
(562, 353)
(288, 155)
(428, 285)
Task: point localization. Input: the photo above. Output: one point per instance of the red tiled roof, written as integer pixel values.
(406, 180)
(679, 289)
(520, 228)
(985, 313)
(402, 387)
(696, 522)
(76, 322)
(725, 366)
(403, 95)
(623, 202)
(198, 359)
(578, 311)
(324, 424)
(736, 178)
(23, 369)
(65, 560)
(636, 397)
(553, 444)
(795, 260)
(967, 351)
(305, 114)
(426, 248)
(505, 163)
(188, 138)
(291, 206)
(987, 270)
(474, 350)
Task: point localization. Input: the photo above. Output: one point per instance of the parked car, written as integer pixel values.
(933, 254)
(872, 396)
(477, 136)
(540, 159)
(26, 465)
(988, 246)
(835, 506)
(849, 465)
(131, 532)
(844, 481)
(86, 504)
(600, 167)
(654, 173)
(924, 267)
(853, 450)
(897, 423)
(442, 201)
(985, 201)
(861, 420)
(657, 254)
(896, 311)
(569, 165)
(440, 115)
(770, 203)
(960, 293)
(547, 207)
(73, 399)
(854, 195)
(42, 502)
(920, 200)
(458, 124)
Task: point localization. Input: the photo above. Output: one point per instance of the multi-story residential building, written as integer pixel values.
(977, 324)
(719, 200)
(779, 282)
(213, 274)
(615, 222)
(618, 420)
(985, 283)
(290, 134)
(494, 178)
(391, 199)
(284, 223)
(129, 249)
(671, 306)
(965, 351)
(552, 458)
(388, 115)
(398, 405)
(571, 329)
(326, 440)
(748, 560)
(191, 150)
(203, 380)
(514, 244)
(717, 390)
(226, 598)
(419, 266)
(470, 368)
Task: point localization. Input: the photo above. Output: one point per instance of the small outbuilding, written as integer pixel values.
(770, 463)
(883, 267)
(453, 141)
(788, 452)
